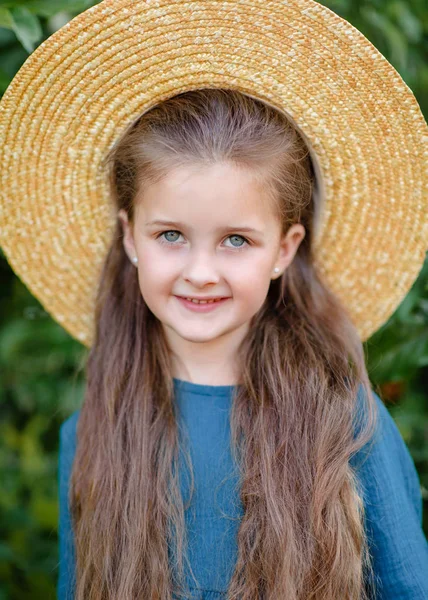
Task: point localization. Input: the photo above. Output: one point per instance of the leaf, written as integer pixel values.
(6, 552)
(45, 511)
(48, 8)
(397, 42)
(406, 20)
(6, 18)
(4, 81)
(26, 27)
(397, 352)
(339, 6)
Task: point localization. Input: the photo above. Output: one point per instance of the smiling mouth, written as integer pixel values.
(201, 301)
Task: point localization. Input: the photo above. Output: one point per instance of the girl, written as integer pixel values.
(213, 192)
(229, 445)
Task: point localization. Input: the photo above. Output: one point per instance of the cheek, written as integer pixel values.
(155, 273)
(250, 281)
(151, 260)
(255, 267)
(152, 277)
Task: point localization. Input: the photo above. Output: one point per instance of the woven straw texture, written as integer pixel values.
(79, 90)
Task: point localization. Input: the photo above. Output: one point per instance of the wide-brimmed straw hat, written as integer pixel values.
(80, 89)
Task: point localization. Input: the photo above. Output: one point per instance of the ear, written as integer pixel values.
(288, 247)
(128, 236)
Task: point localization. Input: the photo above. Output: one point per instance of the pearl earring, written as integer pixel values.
(276, 270)
(135, 260)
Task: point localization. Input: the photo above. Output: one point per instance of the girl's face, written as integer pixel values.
(219, 238)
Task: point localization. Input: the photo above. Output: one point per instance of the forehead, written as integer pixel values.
(214, 196)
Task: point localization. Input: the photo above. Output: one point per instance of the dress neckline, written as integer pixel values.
(203, 389)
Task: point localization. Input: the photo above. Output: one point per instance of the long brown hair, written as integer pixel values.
(293, 417)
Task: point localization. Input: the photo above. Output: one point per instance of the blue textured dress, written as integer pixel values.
(390, 482)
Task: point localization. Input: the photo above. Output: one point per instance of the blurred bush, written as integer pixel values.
(41, 366)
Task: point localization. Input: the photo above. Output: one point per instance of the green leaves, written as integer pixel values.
(40, 386)
(394, 37)
(24, 24)
(6, 19)
(402, 14)
(26, 27)
(399, 349)
(28, 19)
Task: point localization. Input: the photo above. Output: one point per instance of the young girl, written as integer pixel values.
(229, 444)
(213, 195)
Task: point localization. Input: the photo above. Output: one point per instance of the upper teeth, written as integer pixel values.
(202, 301)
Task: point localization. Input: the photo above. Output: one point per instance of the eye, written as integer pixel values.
(235, 236)
(165, 241)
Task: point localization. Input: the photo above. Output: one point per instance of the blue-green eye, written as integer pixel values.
(237, 236)
(173, 232)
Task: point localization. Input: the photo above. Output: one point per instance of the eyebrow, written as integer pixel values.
(219, 229)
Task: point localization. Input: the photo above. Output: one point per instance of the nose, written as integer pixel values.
(200, 269)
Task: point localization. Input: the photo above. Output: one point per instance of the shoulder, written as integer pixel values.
(393, 514)
(387, 443)
(69, 425)
(386, 468)
(67, 434)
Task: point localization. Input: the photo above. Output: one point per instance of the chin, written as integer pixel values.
(197, 338)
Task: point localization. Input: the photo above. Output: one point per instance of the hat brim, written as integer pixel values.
(83, 86)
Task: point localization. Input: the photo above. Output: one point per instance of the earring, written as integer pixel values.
(276, 269)
(135, 260)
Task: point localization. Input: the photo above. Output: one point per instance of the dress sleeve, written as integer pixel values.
(67, 447)
(393, 513)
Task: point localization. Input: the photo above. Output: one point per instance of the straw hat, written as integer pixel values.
(80, 89)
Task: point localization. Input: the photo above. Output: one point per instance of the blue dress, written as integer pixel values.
(389, 480)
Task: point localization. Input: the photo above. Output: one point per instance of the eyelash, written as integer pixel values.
(237, 249)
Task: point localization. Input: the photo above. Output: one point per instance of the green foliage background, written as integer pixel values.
(41, 366)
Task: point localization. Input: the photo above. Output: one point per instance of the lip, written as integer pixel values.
(201, 307)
